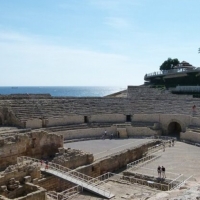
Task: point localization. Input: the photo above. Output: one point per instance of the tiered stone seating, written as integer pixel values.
(66, 127)
(141, 100)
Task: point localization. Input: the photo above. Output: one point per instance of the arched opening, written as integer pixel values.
(174, 129)
(1, 121)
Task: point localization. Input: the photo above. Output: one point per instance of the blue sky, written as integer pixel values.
(94, 42)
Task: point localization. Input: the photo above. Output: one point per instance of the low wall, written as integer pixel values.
(53, 183)
(195, 121)
(28, 192)
(116, 161)
(146, 117)
(190, 136)
(106, 118)
(73, 158)
(87, 133)
(34, 123)
(98, 132)
(39, 194)
(74, 119)
(165, 120)
(19, 173)
(141, 131)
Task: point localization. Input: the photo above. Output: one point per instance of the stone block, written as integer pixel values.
(61, 150)
(27, 179)
(35, 180)
(3, 188)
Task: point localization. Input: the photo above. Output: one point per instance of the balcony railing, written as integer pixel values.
(171, 71)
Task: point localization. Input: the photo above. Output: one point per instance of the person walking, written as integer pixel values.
(163, 172)
(159, 171)
(46, 166)
(105, 133)
(111, 136)
(172, 142)
(163, 146)
(41, 162)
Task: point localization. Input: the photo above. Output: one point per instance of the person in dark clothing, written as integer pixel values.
(46, 166)
(163, 172)
(193, 107)
(172, 142)
(159, 171)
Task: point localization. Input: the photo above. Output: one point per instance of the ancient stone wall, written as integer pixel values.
(183, 120)
(190, 136)
(73, 119)
(73, 158)
(35, 144)
(165, 120)
(115, 118)
(53, 183)
(11, 147)
(26, 192)
(34, 123)
(87, 133)
(98, 132)
(195, 121)
(14, 178)
(43, 145)
(141, 131)
(116, 161)
(19, 172)
(146, 117)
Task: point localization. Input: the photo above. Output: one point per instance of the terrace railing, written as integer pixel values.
(141, 162)
(165, 72)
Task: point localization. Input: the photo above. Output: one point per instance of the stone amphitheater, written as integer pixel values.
(56, 147)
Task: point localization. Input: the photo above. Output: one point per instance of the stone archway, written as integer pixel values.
(174, 129)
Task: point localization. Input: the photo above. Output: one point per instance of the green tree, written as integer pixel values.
(199, 50)
(169, 64)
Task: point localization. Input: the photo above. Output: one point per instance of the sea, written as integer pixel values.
(65, 91)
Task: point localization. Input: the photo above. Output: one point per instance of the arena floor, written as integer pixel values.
(102, 148)
(180, 159)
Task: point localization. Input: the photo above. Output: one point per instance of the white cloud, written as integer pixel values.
(25, 61)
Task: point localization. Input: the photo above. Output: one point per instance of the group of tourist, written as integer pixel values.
(171, 144)
(161, 172)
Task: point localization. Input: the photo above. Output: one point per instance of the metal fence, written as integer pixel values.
(64, 195)
(174, 181)
(73, 176)
(141, 162)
